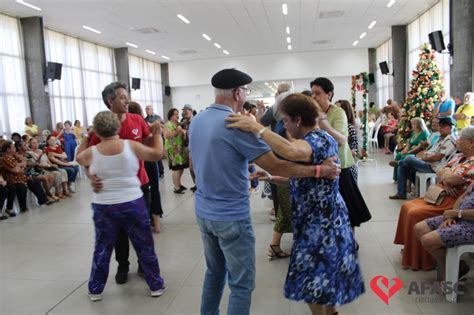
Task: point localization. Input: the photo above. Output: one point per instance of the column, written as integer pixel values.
(399, 59)
(35, 64)
(121, 65)
(373, 97)
(165, 84)
(462, 38)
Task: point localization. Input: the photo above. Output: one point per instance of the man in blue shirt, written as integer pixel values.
(445, 106)
(220, 158)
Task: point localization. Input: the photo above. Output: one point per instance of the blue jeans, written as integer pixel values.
(229, 249)
(407, 169)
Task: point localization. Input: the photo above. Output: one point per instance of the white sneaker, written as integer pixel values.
(159, 292)
(94, 297)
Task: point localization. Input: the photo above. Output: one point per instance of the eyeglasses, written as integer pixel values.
(247, 91)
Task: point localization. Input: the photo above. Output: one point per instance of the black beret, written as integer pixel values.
(446, 121)
(230, 79)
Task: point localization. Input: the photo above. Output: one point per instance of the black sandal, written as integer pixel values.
(178, 191)
(182, 187)
(276, 253)
(10, 213)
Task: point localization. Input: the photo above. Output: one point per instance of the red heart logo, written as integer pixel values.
(391, 291)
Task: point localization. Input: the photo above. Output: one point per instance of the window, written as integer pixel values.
(384, 81)
(150, 92)
(14, 104)
(86, 69)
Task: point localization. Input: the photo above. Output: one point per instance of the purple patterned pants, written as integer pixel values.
(133, 217)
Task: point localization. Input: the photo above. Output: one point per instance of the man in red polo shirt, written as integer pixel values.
(133, 127)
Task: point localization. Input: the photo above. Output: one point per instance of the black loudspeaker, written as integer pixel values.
(135, 83)
(167, 90)
(384, 67)
(437, 41)
(53, 71)
(371, 78)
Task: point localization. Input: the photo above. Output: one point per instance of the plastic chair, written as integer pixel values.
(453, 255)
(373, 132)
(423, 181)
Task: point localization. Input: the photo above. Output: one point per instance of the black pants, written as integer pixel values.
(155, 202)
(161, 168)
(7, 193)
(276, 204)
(37, 189)
(20, 192)
(122, 245)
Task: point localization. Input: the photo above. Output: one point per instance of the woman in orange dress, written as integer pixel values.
(454, 178)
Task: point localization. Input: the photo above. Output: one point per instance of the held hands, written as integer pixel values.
(242, 122)
(155, 127)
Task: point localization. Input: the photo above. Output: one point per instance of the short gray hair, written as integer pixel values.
(106, 124)
(111, 91)
(283, 87)
(226, 93)
(467, 133)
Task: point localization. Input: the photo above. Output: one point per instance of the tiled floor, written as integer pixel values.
(45, 258)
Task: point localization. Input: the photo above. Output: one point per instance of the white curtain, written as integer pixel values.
(86, 69)
(435, 19)
(384, 82)
(149, 73)
(14, 104)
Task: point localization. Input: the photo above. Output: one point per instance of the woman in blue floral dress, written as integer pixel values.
(324, 268)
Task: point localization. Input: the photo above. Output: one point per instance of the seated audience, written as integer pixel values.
(389, 130)
(430, 161)
(7, 192)
(465, 112)
(31, 129)
(453, 178)
(455, 227)
(57, 156)
(444, 107)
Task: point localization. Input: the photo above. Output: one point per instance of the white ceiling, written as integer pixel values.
(243, 27)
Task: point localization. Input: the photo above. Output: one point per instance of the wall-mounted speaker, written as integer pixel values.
(437, 41)
(53, 71)
(135, 83)
(384, 67)
(167, 90)
(371, 78)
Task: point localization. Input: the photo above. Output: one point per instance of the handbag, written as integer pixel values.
(434, 195)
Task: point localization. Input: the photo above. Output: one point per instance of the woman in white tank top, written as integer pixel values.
(120, 203)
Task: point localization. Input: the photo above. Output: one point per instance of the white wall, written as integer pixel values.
(190, 80)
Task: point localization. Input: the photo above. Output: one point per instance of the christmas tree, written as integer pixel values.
(423, 94)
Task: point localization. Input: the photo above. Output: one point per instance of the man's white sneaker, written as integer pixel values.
(94, 297)
(159, 292)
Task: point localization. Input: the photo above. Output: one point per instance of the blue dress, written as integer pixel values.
(324, 267)
(69, 145)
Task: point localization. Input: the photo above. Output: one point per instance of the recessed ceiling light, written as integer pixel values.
(289, 47)
(284, 8)
(287, 30)
(225, 52)
(132, 45)
(206, 37)
(28, 5)
(372, 24)
(165, 57)
(217, 45)
(150, 52)
(288, 40)
(91, 29)
(355, 43)
(362, 35)
(266, 83)
(182, 18)
(392, 2)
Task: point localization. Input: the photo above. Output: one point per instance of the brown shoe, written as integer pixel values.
(398, 197)
(393, 163)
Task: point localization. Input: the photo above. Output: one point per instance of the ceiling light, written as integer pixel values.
(288, 40)
(132, 45)
(217, 45)
(225, 52)
(362, 35)
(392, 2)
(355, 43)
(284, 8)
(164, 57)
(289, 47)
(206, 37)
(150, 52)
(28, 5)
(182, 18)
(287, 30)
(372, 24)
(91, 29)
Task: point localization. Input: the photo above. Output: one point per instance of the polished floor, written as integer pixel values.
(45, 257)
